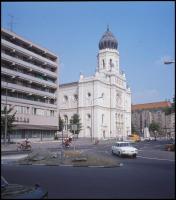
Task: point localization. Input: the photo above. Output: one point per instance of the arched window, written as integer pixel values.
(65, 122)
(103, 64)
(111, 63)
(89, 94)
(75, 97)
(116, 120)
(65, 98)
(102, 118)
(88, 116)
(116, 117)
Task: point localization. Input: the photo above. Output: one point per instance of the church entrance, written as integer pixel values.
(88, 132)
(104, 135)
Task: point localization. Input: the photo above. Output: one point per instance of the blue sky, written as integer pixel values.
(145, 32)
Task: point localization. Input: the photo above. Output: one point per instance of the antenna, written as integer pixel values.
(11, 23)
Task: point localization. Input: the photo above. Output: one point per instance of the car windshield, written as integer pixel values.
(3, 182)
(124, 145)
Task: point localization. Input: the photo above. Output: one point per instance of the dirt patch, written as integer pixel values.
(70, 157)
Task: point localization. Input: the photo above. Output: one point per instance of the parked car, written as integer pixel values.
(124, 148)
(170, 147)
(134, 137)
(149, 139)
(16, 191)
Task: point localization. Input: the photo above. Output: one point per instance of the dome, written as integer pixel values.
(108, 41)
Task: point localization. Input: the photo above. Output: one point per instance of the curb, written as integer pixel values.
(62, 165)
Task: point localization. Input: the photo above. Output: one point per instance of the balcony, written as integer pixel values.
(27, 52)
(27, 90)
(27, 65)
(28, 102)
(28, 77)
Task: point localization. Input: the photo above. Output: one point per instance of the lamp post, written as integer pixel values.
(92, 113)
(6, 128)
(168, 62)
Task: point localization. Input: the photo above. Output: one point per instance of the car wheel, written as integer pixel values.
(134, 156)
(112, 152)
(119, 154)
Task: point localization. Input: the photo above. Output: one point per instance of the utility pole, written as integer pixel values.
(5, 133)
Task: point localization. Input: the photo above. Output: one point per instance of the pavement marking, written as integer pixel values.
(13, 157)
(155, 158)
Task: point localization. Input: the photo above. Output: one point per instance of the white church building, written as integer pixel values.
(103, 101)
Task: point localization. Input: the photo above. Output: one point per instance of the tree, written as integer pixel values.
(173, 105)
(133, 129)
(75, 120)
(10, 121)
(169, 110)
(154, 128)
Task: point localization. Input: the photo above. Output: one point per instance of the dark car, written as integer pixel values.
(16, 191)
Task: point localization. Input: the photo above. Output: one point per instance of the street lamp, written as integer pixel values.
(5, 132)
(92, 124)
(169, 62)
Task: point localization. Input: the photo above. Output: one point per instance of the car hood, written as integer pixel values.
(128, 148)
(16, 191)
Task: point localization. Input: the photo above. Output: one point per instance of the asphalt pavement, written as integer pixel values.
(150, 175)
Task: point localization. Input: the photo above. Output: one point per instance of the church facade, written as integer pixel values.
(103, 101)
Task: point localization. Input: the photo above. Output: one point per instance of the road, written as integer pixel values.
(151, 175)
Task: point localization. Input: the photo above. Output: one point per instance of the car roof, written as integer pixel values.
(122, 142)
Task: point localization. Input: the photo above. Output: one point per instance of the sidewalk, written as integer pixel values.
(56, 143)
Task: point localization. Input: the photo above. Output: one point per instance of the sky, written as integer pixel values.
(145, 32)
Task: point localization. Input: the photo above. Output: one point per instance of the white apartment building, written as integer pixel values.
(103, 101)
(29, 84)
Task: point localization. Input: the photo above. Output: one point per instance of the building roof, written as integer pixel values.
(108, 41)
(36, 46)
(149, 106)
(68, 84)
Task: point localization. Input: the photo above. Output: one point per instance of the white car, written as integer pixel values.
(124, 148)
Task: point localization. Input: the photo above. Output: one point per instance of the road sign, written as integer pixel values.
(74, 127)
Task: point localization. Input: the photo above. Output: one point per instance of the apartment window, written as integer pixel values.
(40, 112)
(52, 113)
(34, 110)
(3, 106)
(22, 109)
